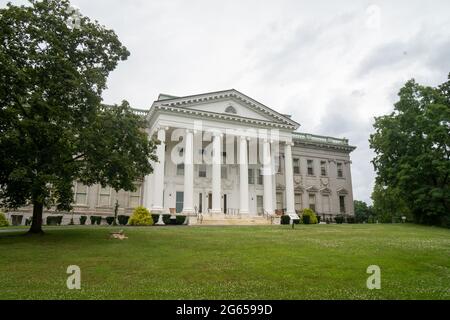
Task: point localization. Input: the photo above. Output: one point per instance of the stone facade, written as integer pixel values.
(308, 171)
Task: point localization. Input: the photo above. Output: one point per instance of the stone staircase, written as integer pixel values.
(232, 220)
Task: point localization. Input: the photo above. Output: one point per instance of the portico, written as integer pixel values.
(222, 154)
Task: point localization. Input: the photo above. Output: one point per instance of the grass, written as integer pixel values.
(310, 262)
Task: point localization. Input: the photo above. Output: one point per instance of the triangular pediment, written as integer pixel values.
(228, 102)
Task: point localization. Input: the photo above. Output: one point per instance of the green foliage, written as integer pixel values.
(123, 220)
(309, 217)
(339, 219)
(83, 220)
(53, 127)
(54, 220)
(3, 221)
(351, 219)
(285, 219)
(140, 217)
(362, 211)
(155, 217)
(95, 220)
(110, 220)
(388, 204)
(412, 146)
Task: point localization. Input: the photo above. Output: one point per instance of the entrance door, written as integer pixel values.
(260, 205)
(200, 203)
(209, 201)
(179, 201)
(225, 203)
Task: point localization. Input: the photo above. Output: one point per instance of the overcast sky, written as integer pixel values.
(333, 65)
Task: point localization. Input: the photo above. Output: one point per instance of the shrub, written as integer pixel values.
(54, 220)
(95, 220)
(339, 219)
(110, 220)
(140, 217)
(123, 220)
(309, 217)
(167, 220)
(318, 219)
(351, 219)
(3, 221)
(83, 220)
(285, 219)
(28, 221)
(155, 218)
(180, 220)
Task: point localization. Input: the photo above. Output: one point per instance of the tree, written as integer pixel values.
(388, 204)
(412, 147)
(53, 128)
(362, 211)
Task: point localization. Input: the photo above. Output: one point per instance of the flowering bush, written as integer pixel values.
(140, 217)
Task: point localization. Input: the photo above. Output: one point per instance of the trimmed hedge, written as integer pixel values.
(83, 220)
(110, 220)
(351, 219)
(339, 219)
(123, 220)
(285, 219)
(96, 220)
(54, 220)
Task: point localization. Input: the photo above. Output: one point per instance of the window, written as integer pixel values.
(323, 168)
(296, 166)
(135, 198)
(340, 171)
(310, 167)
(260, 176)
(251, 176)
(81, 193)
(224, 157)
(104, 196)
(180, 169)
(224, 172)
(279, 201)
(342, 203)
(312, 202)
(298, 202)
(202, 171)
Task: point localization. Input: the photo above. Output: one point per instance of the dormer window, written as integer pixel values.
(231, 109)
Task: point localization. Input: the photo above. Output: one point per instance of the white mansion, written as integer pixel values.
(222, 155)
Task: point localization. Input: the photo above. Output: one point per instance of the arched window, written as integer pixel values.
(230, 109)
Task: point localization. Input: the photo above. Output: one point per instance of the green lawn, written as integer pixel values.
(310, 262)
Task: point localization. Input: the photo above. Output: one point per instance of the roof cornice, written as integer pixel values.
(215, 115)
(234, 94)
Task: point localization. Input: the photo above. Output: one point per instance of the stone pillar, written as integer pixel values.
(188, 203)
(267, 177)
(216, 174)
(158, 173)
(243, 176)
(289, 175)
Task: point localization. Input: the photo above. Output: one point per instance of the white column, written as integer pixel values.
(158, 173)
(267, 177)
(148, 192)
(216, 174)
(289, 174)
(188, 203)
(243, 176)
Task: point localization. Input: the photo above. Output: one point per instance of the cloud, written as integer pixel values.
(333, 66)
